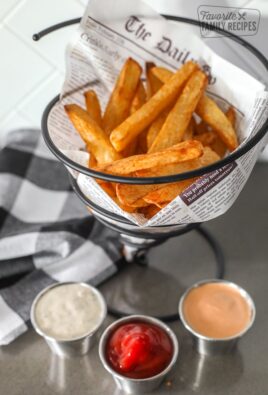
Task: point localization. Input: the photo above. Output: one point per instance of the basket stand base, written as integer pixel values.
(136, 252)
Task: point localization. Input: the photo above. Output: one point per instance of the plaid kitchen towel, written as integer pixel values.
(46, 233)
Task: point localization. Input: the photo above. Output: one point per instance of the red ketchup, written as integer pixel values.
(139, 350)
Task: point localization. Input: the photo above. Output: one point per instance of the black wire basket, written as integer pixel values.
(123, 226)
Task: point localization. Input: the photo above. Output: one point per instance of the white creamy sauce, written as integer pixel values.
(68, 311)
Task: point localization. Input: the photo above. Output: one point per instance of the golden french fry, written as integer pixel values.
(140, 143)
(201, 128)
(230, 114)
(162, 74)
(123, 134)
(164, 195)
(208, 110)
(179, 117)
(92, 162)
(149, 211)
(156, 127)
(93, 106)
(135, 204)
(189, 132)
(139, 98)
(107, 187)
(132, 193)
(218, 145)
(92, 134)
(118, 106)
(125, 207)
(181, 152)
(206, 138)
(153, 84)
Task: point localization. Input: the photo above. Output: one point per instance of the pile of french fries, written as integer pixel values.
(167, 126)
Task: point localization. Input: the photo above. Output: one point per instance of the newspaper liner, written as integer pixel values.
(108, 34)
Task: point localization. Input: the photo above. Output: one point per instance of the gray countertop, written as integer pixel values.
(28, 367)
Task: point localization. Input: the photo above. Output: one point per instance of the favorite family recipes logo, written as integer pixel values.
(239, 21)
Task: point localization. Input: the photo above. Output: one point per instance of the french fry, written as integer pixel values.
(156, 127)
(208, 110)
(138, 101)
(93, 106)
(118, 106)
(206, 138)
(139, 98)
(92, 134)
(201, 128)
(161, 197)
(218, 145)
(230, 114)
(189, 132)
(92, 162)
(162, 74)
(181, 152)
(153, 84)
(123, 134)
(107, 187)
(179, 117)
(110, 189)
(149, 211)
(129, 194)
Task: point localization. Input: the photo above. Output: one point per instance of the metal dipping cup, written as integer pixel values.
(127, 384)
(211, 346)
(75, 346)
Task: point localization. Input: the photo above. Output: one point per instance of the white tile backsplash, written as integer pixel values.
(36, 102)
(32, 72)
(6, 6)
(21, 71)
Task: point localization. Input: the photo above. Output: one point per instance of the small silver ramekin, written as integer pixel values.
(210, 346)
(76, 346)
(127, 384)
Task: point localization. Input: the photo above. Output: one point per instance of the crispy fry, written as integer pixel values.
(153, 84)
(206, 138)
(230, 114)
(131, 193)
(139, 98)
(93, 106)
(149, 211)
(92, 162)
(162, 74)
(92, 134)
(201, 128)
(118, 107)
(107, 187)
(140, 143)
(125, 207)
(179, 117)
(135, 204)
(122, 135)
(161, 197)
(208, 110)
(110, 189)
(218, 145)
(189, 132)
(181, 152)
(156, 127)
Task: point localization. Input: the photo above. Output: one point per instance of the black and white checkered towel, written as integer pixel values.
(46, 233)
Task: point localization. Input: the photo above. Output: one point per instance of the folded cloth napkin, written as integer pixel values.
(46, 233)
